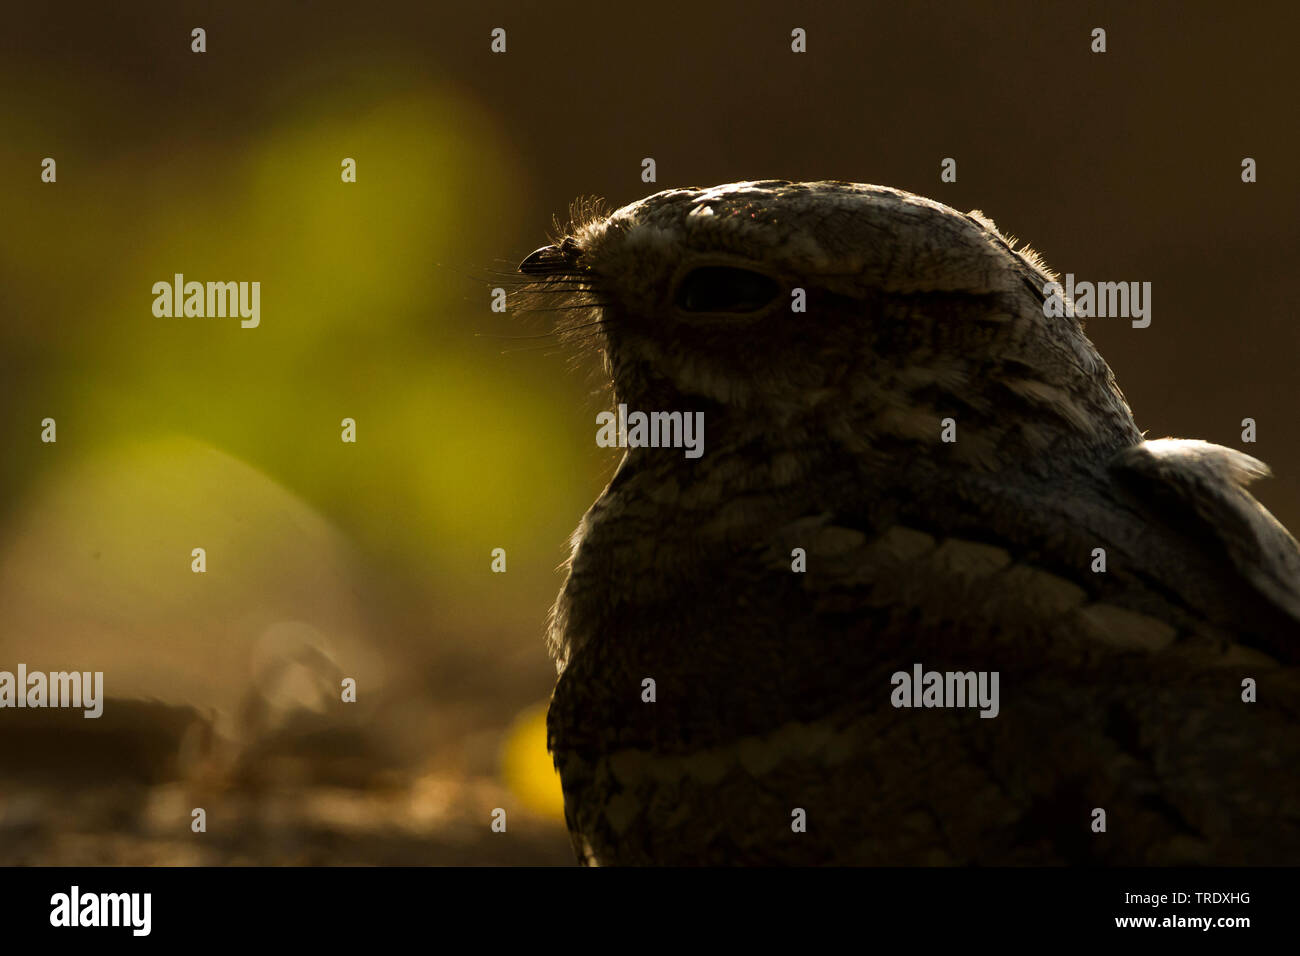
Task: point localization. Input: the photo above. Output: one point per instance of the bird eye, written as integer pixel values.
(725, 289)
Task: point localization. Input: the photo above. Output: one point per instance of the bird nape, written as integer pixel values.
(925, 596)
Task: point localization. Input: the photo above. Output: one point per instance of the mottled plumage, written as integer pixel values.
(1119, 690)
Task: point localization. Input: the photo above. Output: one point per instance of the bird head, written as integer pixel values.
(860, 313)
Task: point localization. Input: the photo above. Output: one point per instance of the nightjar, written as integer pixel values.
(909, 464)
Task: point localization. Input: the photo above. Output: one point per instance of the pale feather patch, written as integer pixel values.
(948, 374)
(1238, 656)
(909, 422)
(734, 515)
(645, 235)
(757, 755)
(902, 544)
(1056, 400)
(1042, 592)
(1126, 629)
(970, 558)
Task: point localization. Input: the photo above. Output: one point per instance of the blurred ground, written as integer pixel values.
(224, 689)
(416, 823)
(123, 789)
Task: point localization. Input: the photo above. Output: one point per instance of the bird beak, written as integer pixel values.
(548, 260)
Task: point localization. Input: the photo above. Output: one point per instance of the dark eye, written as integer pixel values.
(724, 289)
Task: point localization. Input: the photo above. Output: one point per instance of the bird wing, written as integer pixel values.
(1203, 488)
(1113, 696)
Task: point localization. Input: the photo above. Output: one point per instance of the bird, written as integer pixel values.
(922, 469)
